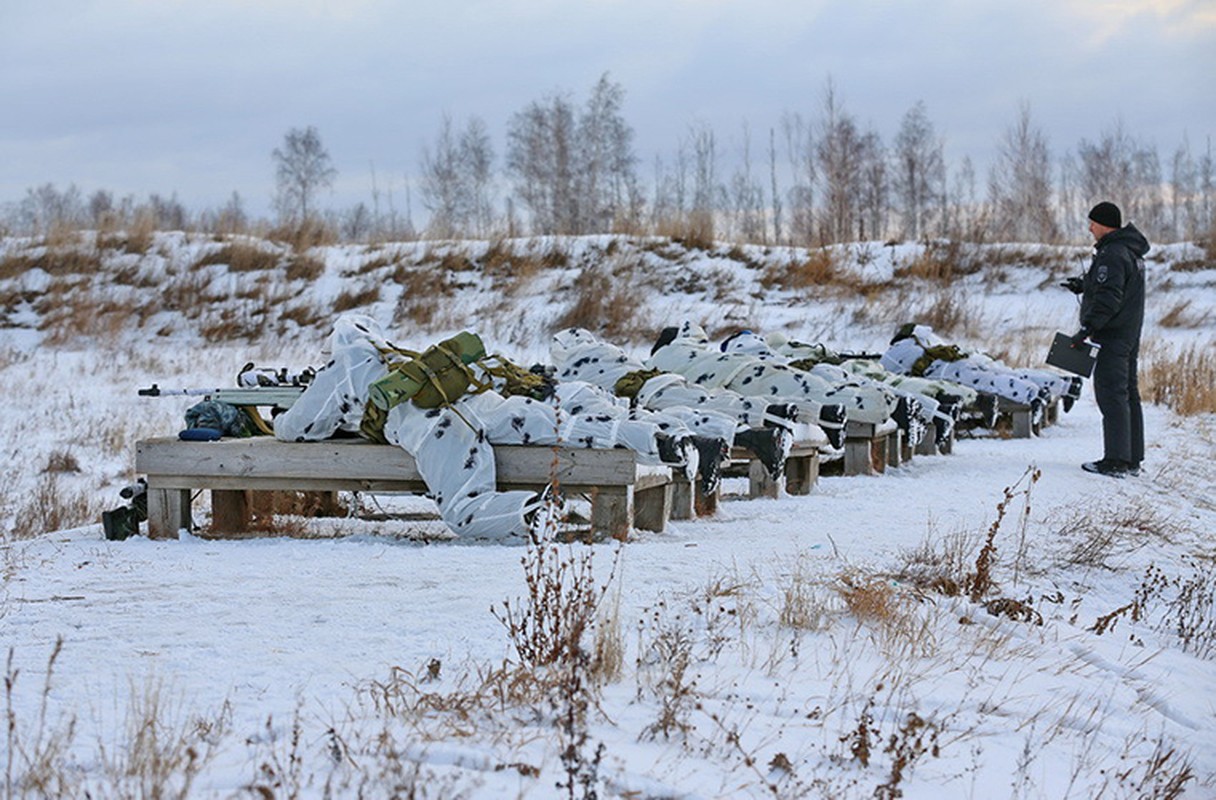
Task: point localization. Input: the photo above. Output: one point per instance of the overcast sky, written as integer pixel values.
(191, 96)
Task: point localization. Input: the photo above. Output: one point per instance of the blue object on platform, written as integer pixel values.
(200, 434)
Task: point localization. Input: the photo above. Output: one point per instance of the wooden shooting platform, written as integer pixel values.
(623, 493)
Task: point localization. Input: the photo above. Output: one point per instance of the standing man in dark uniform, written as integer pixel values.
(1112, 314)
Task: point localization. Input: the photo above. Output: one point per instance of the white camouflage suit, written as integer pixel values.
(579, 355)
(452, 445)
(691, 355)
(976, 370)
(927, 392)
(866, 400)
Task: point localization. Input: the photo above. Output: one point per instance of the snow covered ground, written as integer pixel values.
(782, 648)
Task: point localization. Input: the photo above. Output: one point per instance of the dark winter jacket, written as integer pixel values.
(1112, 304)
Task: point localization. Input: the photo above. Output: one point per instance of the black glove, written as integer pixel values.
(1074, 285)
(1079, 337)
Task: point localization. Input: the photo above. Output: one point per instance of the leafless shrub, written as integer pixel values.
(305, 315)
(311, 232)
(52, 507)
(548, 625)
(1164, 775)
(422, 290)
(803, 607)
(947, 312)
(869, 598)
(35, 753)
(914, 738)
(357, 298)
(981, 582)
(1095, 536)
(280, 772)
(161, 755)
(62, 460)
(1151, 586)
(664, 664)
(1191, 615)
(939, 564)
(861, 739)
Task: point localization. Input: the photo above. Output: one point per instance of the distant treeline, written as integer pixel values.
(573, 169)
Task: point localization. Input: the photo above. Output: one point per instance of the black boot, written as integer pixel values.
(785, 411)
(679, 452)
(987, 404)
(119, 523)
(770, 445)
(831, 419)
(713, 453)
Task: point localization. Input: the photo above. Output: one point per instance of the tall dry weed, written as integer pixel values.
(1184, 381)
(607, 302)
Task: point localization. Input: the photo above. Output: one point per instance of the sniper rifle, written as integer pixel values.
(275, 396)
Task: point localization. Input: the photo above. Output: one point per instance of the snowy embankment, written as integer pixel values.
(787, 648)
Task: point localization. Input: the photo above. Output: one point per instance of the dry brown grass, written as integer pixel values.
(53, 507)
(942, 262)
(1181, 315)
(302, 266)
(607, 302)
(423, 290)
(1184, 381)
(356, 298)
(240, 257)
(818, 269)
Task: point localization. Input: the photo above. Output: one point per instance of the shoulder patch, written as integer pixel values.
(1102, 273)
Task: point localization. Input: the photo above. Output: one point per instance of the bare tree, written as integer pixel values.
(774, 189)
(1019, 183)
(540, 156)
(302, 167)
(704, 180)
(918, 178)
(606, 161)
(840, 155)
(800, 151)
(745, 198)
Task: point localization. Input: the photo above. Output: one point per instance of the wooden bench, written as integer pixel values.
(868, 449)
(1023, 424)
(801, 475)
(623, 493)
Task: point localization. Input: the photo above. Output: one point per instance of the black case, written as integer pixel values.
(1077, 360)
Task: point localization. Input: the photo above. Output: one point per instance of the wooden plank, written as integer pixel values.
(168, 512)
(229, 510)
(683, 503)
(354, 458)
(760, 483)
(652, 507)
(612, 511)
(801, 473)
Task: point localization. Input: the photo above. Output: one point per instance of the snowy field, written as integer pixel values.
(781, 648)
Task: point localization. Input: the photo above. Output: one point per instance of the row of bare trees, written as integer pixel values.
(571, 168)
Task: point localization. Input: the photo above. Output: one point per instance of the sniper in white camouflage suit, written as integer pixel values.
(761, 427)
(938, 402)
(452, 444)
(686, 351)
(917, 350)
(876, 402)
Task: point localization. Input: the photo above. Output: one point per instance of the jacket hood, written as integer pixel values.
(1129, 236)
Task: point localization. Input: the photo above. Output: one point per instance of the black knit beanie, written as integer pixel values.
(1107, 214)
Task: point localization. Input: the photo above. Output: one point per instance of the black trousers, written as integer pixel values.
(1117, 391)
